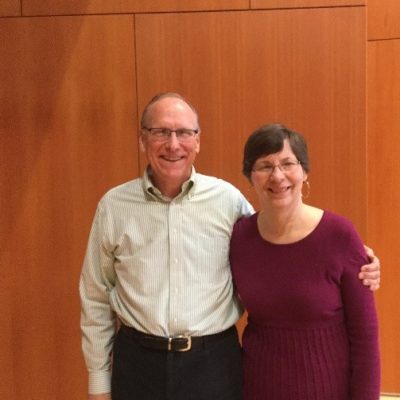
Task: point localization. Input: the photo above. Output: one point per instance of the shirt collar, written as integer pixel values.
(188, 187)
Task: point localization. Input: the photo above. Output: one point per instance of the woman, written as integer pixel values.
(312, 328)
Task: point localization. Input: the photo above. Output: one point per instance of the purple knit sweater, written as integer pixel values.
(312, 330)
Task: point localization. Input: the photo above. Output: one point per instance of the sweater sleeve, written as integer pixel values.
(361, 323)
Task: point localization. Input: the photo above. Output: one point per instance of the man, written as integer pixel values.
(157, 266)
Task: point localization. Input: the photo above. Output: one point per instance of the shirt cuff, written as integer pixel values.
(99, 382)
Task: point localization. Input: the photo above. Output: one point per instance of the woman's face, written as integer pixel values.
(278, 179)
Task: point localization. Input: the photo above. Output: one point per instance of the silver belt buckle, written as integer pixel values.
(188, 345)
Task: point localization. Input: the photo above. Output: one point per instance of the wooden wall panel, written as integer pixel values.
(269, 4)
(305, 68)
(67, 107)
(59, 7)
(383, 19)
(384, 194)
(10, 8)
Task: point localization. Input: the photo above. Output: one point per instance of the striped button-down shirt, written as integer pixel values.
(158, 265)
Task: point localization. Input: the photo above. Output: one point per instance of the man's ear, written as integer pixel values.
(198, 143)
(142, 143)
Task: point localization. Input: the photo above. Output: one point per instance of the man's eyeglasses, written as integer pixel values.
(284, 166)
(165, 133)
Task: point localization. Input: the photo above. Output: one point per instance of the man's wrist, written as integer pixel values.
(99, 382)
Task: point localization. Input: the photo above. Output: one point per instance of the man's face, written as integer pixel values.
(170, 159)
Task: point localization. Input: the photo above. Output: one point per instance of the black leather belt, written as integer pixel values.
(178, 343)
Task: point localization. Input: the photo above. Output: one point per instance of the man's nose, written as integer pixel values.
(172, 140)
